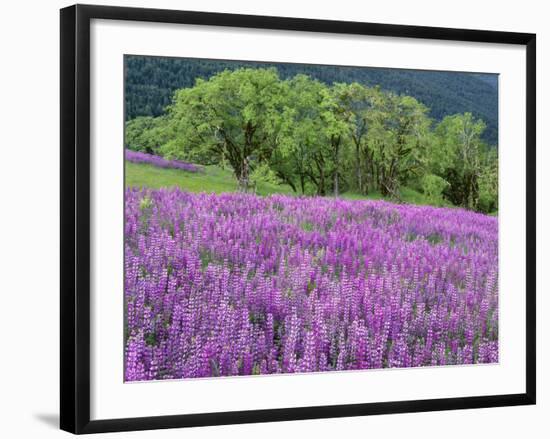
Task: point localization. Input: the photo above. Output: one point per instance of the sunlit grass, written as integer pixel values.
(217, 180)
(213, 179)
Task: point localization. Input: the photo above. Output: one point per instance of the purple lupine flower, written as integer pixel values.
(221, 285)
(159, 162)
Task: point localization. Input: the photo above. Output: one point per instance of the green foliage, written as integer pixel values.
(234, 116)
(488, 183)
(399, 131)
(146, 134)
(145, 203)
(433, 187)
(461, 148)
(263, 174)
(302, 154)
(151, 82)
(356, 104)
(302, 134)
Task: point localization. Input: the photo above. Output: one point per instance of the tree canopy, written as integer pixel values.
(322, 139)
(150, 83)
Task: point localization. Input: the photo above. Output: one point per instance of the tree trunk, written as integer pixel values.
(358, 168)
(336, 146)
(244, 182)
(320, 183)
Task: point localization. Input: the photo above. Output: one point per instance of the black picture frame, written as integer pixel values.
(75, 217)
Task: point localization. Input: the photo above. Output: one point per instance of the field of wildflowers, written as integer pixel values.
(159, 162)
(236, 284)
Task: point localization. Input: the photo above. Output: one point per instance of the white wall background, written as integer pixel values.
(29, 200)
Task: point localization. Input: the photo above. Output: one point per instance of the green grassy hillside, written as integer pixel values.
(218, 180)
(214, 179)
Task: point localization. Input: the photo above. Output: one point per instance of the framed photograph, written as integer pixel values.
(268, 218)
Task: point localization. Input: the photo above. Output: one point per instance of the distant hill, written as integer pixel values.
(151, 81)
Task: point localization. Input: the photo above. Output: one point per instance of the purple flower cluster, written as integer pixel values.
(235, 284)
(160, 162)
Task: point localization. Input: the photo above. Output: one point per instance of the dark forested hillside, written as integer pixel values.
(151, 81)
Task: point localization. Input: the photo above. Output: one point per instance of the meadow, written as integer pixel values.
(222, 283)
(214, 179)
(307, 220)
